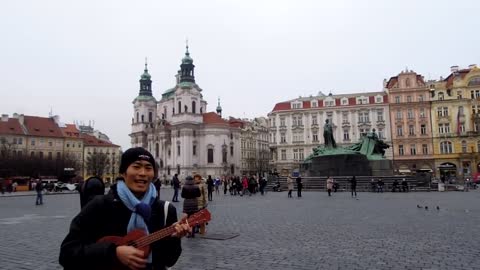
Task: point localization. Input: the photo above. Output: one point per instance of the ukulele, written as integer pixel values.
(140, 240)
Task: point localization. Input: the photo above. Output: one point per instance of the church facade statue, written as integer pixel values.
(328, 135)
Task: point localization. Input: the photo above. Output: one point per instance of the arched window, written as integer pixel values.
(164, 112)
(178, 169)
(138, 116)
(446, 147)
(210, 154)
(194, 107)
(150, 116)
(440, 96)
(142, 118)
(157, 150)
(464, 146)
(179, 107)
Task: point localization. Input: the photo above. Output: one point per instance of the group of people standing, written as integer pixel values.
(290, 186)
(245, 185)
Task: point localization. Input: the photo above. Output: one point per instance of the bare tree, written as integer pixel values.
(97, 164)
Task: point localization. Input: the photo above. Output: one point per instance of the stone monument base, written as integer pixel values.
(347, 165)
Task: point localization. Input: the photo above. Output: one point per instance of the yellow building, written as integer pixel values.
(455, 123)
(92, 146)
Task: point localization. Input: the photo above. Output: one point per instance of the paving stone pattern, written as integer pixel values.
(378, 231)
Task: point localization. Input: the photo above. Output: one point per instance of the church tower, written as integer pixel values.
(144, 107)
(187, 68)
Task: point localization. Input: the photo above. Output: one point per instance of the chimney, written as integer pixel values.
(472, 66)
(56, 118)
(15, 115)
(21, 119)
(454, 69)
(4, 117)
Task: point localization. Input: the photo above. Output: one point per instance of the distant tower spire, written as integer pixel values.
(145, 82)
(187, 67)
(219, 108)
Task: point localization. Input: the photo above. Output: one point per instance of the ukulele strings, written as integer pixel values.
(147, 240)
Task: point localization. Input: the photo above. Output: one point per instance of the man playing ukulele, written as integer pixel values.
(132, 203)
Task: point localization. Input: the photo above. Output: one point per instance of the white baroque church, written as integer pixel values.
(179, 132)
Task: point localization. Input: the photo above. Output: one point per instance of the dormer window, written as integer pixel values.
(344, 101)
(314, 104)
(378, 99)
(362, 100)
(329, 102)
(441, 96)
(296, 105)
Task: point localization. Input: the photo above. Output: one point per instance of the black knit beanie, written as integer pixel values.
(134, 154)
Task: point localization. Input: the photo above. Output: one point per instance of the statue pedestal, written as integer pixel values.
(347, 165)
(339, 165)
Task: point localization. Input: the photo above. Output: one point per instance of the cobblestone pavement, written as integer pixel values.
(378, 231)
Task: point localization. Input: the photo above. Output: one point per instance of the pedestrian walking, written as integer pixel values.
(39, 190)
(217, 184)
(176, 187)
(380, 185)
(299, 186)
(210, 187)
(225, 183)
(353, 186)
(289, 186)
(329, 185)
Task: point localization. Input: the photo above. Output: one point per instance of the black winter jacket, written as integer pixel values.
(108, 216)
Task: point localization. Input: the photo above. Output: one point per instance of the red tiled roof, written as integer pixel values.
(306, 104)
(89, 140)
(450, 77)
(213, 118)
(391, 82)
(70, 130)
(234, 122)
(371, 99)
(42, 127)
(282, 106)
(11, 127)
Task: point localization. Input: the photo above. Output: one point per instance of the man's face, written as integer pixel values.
(138, 176)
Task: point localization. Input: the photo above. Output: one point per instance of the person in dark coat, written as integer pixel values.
(39, 189)
(176, 188)
(353, 185)
(130, 205)
(210, 187)
(190, 193)
(299, 186)
(93, 186)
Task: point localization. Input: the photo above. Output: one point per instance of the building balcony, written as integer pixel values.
(297, 127)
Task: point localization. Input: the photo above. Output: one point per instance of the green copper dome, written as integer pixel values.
(145, 75)
(187, 59)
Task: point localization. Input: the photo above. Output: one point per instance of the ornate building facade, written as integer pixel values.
(410, 109)
(177, 129)
(296, 126)
(255, 157)
(455, 123)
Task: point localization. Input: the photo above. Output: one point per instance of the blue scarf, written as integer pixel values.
(141, 210)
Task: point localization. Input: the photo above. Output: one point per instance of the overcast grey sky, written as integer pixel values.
(84, 58)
